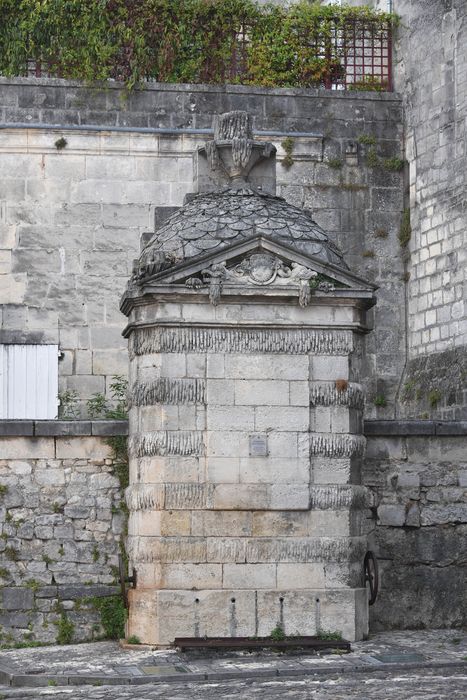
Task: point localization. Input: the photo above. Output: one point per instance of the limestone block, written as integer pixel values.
(144, 620)
(223, 470)
(149, 575)
(215, 366)
(250, 576)
(175, 523)
(289, 496)
(50, 477)
(343, 575)
(220, 392)
(287, 445)
(329, 368)
(188, 496)
(169, 468)
(288, 523)
(173, 365)
(186, 613)
(109, 362)
(241, 497)
(82, 448)
(221, 523)
(320, 419)
(327, 470)
(266, 367)
(323, 522)
(220, 443)
(296, 576)
(161, 417)
(167, 549)
(345, 611)
(264, 392)
(231, 418)
(144, 523)
(392, 515)
(293, 418)
(270, 470)
(86, 385)
(294, 611)
(195, 365)
(443, 514)
(299, 393)
(191, 576)
(27, 448)
(226, 549)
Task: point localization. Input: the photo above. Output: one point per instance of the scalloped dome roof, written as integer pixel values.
(216, 220)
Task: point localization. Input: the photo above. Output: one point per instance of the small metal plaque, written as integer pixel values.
(259, 445)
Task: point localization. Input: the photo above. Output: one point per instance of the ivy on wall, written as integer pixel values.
(211, 41)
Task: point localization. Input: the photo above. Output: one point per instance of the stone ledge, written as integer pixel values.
(107, 428)
(62, 428)
(407, 428)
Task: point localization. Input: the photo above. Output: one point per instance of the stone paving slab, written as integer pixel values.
(106, 663)
(419, 685)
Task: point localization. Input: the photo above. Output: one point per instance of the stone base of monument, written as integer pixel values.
(159, 617)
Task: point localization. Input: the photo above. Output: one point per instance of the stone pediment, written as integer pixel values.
(258, 266)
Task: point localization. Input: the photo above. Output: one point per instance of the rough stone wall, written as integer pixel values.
(420, 536)
(61, 522)
(71, 220)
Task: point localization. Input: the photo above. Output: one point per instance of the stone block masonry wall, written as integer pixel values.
(61, 523)
(71, 219)
(433, 84)
(420, 486)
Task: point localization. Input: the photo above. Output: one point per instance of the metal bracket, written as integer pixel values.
(124, 579)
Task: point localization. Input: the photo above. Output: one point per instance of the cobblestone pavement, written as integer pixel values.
(429, 664)
(376, 686)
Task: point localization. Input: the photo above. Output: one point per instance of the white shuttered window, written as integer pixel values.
(28, 381)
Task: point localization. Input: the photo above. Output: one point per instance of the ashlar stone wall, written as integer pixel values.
(71, 219)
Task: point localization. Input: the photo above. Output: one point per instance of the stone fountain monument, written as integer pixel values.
(245, 333)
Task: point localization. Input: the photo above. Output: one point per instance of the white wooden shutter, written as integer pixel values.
(28, 381)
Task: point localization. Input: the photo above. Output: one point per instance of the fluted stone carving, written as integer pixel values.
(166, 390)
(336, 445)
(240, 340)
(167, 442)
(329, 394)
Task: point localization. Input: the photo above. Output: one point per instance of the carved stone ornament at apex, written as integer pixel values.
(260, 269)
(245, 435)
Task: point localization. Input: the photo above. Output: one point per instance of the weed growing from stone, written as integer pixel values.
(113, 615)
(133, 639)
(288, 146)
(367, 139)
(328, 635)
(372, 159)
(335, 163)
(3, 490)
(11, 553)
(405, 230)
(277, 634)
(434, 397)
(380, 400)
(65, 628)
(68, 408)
(61, 143)
(394, 164)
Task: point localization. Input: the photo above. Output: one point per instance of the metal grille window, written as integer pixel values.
(28, 381)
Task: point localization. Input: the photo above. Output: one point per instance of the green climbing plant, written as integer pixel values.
(210, 41)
